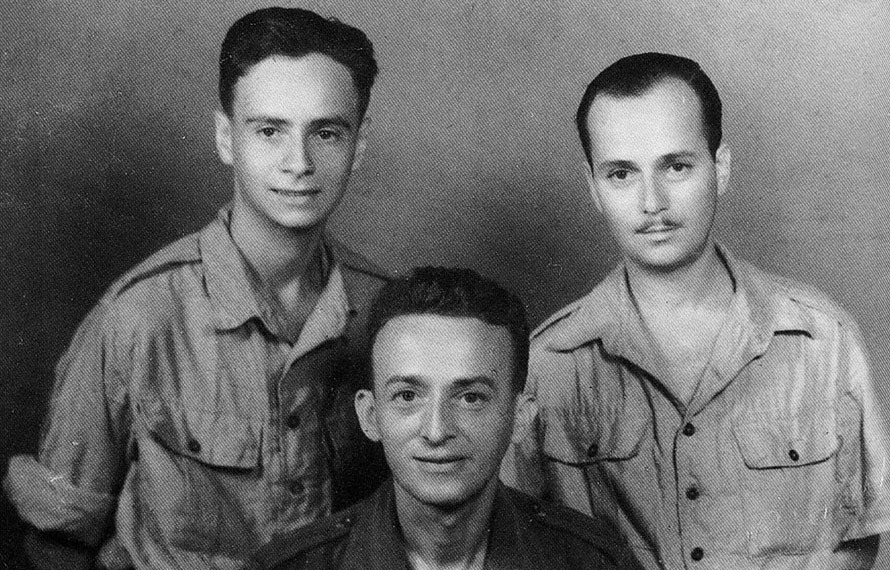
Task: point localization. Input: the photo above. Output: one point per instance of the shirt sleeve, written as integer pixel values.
(875, 516)
(522, 466)
(72, 483)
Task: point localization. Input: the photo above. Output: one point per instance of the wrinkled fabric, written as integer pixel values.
(778, 457)
(182, 418)
(523, 535)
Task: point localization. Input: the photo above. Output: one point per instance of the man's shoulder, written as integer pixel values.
(574, 535)
(182, 252)
(315, 546)
(804, 297)
(575, 322)
(558, 519)
(355, 262)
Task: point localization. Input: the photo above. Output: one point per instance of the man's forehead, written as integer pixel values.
(312, 79)
(441, 346)
(669, 111)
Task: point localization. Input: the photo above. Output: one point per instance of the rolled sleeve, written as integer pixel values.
(70, 486)
(48, 501)
(875, 516)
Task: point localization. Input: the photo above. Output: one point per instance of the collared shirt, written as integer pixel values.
(523, 535)
(180, 414)
(778, 457)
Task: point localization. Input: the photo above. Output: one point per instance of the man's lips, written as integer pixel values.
(656, 228)
(440, 460)
(296, 193)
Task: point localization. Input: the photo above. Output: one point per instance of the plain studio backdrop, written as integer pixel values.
(106, 149)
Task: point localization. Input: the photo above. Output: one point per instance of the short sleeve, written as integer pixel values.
(71, 484)
(875, 516)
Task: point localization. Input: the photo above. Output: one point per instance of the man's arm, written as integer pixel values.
(67, 493)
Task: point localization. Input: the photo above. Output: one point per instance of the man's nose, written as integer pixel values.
(297, 158)
(438, 425)
(653, 198)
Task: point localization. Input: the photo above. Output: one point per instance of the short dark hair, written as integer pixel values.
(294, 32)
(456, 292)
(635, 74)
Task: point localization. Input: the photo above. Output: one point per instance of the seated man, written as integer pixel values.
(449, 356)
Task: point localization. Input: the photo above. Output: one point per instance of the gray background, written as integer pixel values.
(106, 149)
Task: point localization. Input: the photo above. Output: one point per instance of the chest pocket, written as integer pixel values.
(789, 482)
(575, 438)
(197, 476)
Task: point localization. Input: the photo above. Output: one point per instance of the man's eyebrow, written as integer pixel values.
(400, 379)
(335, 121)
(267, 120)
(673, 157)
(462, 383)
(616, 164)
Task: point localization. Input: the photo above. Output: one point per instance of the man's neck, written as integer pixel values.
(280, 256)
(437, 538)
(705, 282)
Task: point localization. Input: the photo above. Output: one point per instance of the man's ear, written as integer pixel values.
(723, 166)
(361, 143)
(366, 410)
(524, 413)
(591, 185)
(223, 137)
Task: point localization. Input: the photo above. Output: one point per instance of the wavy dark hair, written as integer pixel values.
(456, 292)
(294, 32)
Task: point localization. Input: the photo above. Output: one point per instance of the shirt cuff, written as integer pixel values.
(49, 502)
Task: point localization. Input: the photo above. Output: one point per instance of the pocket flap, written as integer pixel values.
(213, 438)
(571, 436)
(776, 443)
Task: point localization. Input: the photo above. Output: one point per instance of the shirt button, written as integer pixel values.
(293, 420)
(688, 429)
(793, 455)
(697, 554)
(194, 446)
(692, 493)
(592, 450)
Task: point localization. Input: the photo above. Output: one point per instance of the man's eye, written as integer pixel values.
(474, 398)
(405, 396)
(619, 174)
(328, 135)
(679, 167)
(268, 132)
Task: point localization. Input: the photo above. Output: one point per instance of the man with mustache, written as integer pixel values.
(205, 403)
(722, 416)
(449, 356)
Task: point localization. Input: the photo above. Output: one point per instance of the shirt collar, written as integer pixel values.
(376, 540)
(228, 285)
(232, 292)
(608, 312)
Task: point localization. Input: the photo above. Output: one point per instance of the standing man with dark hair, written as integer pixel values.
(206, 402)
(724, 417)
(450, 351)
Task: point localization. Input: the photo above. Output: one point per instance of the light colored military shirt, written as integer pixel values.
(779, 456)
(183, 417)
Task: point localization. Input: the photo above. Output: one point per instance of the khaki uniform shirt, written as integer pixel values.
(523, 535)
(182, 417)
(779, 456)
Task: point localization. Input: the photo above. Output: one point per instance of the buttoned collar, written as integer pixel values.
(609, 314)
(376, 539)
(232, 292)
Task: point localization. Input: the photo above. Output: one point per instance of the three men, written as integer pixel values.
(450, 353)
(723, 417)
(205, 403)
